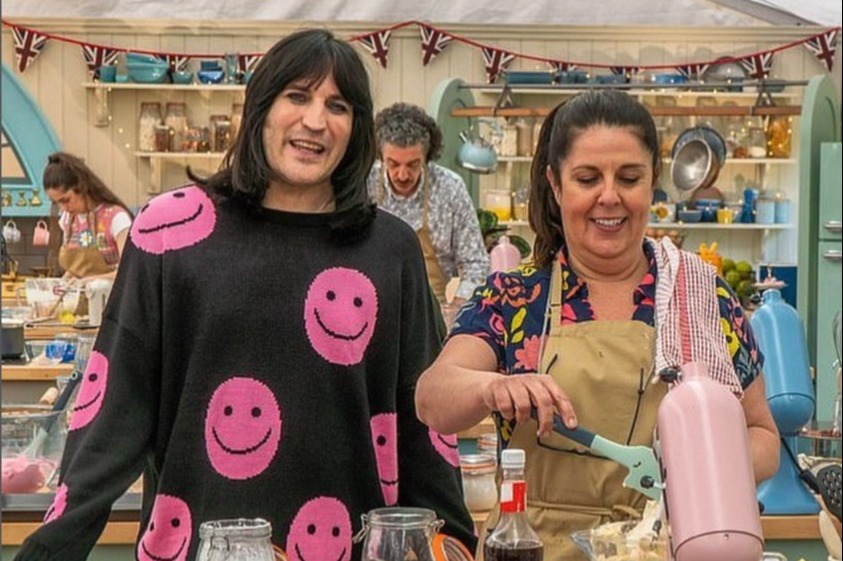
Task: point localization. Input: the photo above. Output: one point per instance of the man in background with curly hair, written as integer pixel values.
(431, 198)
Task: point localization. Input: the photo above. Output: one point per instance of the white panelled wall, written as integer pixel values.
(56, 81)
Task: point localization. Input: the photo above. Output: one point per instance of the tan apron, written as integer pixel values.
(605, 368)
(435, 275)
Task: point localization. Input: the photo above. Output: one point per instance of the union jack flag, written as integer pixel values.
(377, 44)
(758, 66)
(692, 71)
(560, 66)
(96, 56)
(177, 63)
(624, 70)
(28, 45)
(824, 46)
(247, 63)
(495, 62)
(433, 42)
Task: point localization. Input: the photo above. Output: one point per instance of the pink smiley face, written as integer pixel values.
(243, 428)
(91, 393)
(339, 315)
(167, 536)
(321, 531)
(174, 220)
(385, 442)
(446, 445)
(59, 504)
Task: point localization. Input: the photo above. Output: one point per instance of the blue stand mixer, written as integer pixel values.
(790, 394)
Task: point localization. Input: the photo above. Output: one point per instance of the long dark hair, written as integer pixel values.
(311, 55)
(558, 133)
(68, 172)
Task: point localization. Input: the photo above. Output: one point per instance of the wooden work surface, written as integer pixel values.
(48, 331)
(35, 373)
(115, 533)
(774, 527)
(125, 532)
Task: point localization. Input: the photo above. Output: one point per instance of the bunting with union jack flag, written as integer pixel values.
(560, 66)
(377, 44)
(177, 63)
(758, 66)
(97, 55)
(495, 62)
(824, 46)
(627, 71)
(433, 42)
(692, 71)
(247, 63)
(28, 45)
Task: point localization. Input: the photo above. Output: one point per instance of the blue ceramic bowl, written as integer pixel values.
(182, 77)
(573, 77)
(689, 216)
(670, 79)
(610, 79)
(209, 65)
(141, 58)
(211, 76)
(529, 77)
(146, 73)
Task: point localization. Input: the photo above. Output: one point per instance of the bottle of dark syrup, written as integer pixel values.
(513, 539)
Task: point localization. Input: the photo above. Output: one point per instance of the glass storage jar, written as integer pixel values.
(150, 117)
(478, 482)
(235, 540)
(525, 137)
(398, 534)
(220, 133)
(499, 201)
(176, 119)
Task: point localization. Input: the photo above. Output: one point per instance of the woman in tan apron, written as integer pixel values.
(589, 349)
(94, 222)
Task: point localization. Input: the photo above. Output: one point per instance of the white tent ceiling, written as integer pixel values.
(547, 12)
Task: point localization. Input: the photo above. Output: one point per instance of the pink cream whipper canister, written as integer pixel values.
(504, 256)
(703, 448)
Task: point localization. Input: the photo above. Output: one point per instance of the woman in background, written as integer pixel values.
(93, 220)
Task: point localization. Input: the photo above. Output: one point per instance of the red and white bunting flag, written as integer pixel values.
(758, 66)
(247, 63)
(495, 61)
(560, 66)
(693, 71)
(28, 45)
(177, 63)
(433, 42)
(377, 44)
(824, 46)
(627, 71)
(96, 56)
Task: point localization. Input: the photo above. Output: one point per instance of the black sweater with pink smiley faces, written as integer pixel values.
(251, 366)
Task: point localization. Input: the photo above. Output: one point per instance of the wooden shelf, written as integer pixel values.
(34, 373)
(716, 226)
(165, 87)
(115, 533)
(727, 162)
(677, 91)
(774, 527)
(727, 111)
